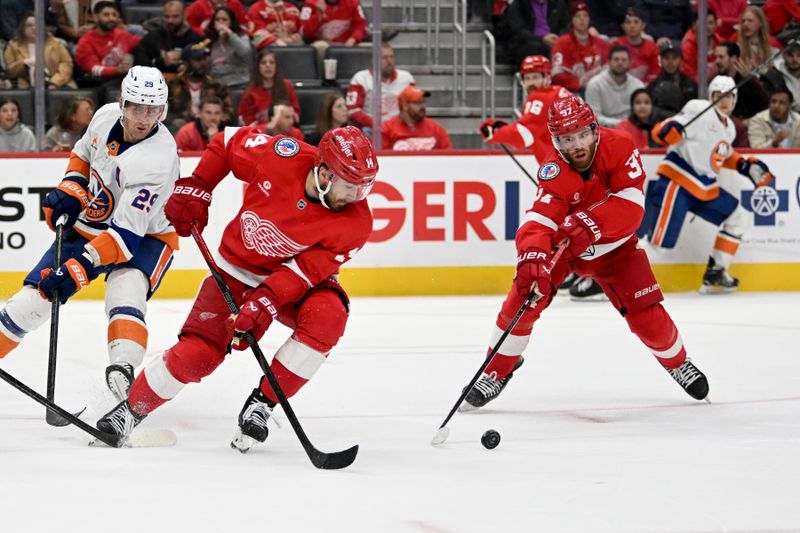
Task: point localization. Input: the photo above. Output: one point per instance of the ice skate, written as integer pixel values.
(716, 280)
(567, 283)
(120, 421)
(487, 388)
(253, 421)
(586, 290)
(691, 379)
(119, 378)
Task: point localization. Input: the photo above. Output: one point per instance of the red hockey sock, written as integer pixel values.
(142, 399)
(289, 381)
(657, 331)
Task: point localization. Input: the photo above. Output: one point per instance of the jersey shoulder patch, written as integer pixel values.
(286, 147)
(549, 171)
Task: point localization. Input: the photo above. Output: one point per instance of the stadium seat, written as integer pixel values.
(349, 60)
(310, 99)
(298, 64)
(55, 98)
(137, 14)
(24, 97)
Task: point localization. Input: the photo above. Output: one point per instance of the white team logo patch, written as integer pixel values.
(266, 239)
(549, 171)
(286, 147)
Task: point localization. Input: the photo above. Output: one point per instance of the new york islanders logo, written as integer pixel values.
(286, 147)
(549, 171)
(266, 239)
(101, 203)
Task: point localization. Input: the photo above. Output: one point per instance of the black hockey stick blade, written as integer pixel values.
(54, 419)
(335, 460)
(111, 440)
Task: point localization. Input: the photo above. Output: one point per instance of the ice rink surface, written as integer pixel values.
(596, 437)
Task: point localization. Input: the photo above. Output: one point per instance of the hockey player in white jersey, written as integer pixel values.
(118, 179)
(687, 181)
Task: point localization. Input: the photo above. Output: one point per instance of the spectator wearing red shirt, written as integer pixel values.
(105, 52)
(199, 13)
(640, 122)
(195, 135)
(578, 56)
(779, 13)
(412, 129)
(267, 85)
(333, 21)
(644, 52)
(689, 47)
(275, 22)
(728, 13)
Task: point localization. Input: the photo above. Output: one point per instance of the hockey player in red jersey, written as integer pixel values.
(304, 214)
(530, 131)
(590, 198)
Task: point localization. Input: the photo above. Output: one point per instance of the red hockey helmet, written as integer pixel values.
(535, 64)
(568, 115)
(348, 155)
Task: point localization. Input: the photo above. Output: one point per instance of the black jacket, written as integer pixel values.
(670, 94)
(518, 21)
(148, 52)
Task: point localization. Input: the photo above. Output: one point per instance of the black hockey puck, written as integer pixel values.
(490, 439)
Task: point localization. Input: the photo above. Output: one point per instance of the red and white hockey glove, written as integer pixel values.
(754, 169)
(256, 316)
(582, 230)
(188, 205)
(487, 128)
(533, 272)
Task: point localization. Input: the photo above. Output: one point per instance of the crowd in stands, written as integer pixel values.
(634, 61)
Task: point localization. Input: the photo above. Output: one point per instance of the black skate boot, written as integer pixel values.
(691, 379)
(487, 388)
(120, 421)
(253, 421)
(568, 282)
(119, 378)
(586, 290)
(716, 280)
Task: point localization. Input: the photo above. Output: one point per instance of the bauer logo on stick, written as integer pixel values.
(286, 147)
(549, 171)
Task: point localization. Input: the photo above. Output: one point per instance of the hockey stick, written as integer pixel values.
(51, 417)
(746, 79)
(111, 440)
(326, 461)
(519, 164)
(443, 432)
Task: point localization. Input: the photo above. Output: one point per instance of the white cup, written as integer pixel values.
(330, 69)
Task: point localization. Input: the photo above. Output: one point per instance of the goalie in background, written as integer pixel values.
(687, 182)
(119, 176)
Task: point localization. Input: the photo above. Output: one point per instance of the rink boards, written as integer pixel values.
(443, 225)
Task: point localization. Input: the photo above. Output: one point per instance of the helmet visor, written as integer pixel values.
(143, 111)
(583, 138)
(342, 189)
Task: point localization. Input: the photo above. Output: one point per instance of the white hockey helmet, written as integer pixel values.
(722, 84)
(144, 85)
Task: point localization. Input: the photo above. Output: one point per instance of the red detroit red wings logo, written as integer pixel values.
(266, 239)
